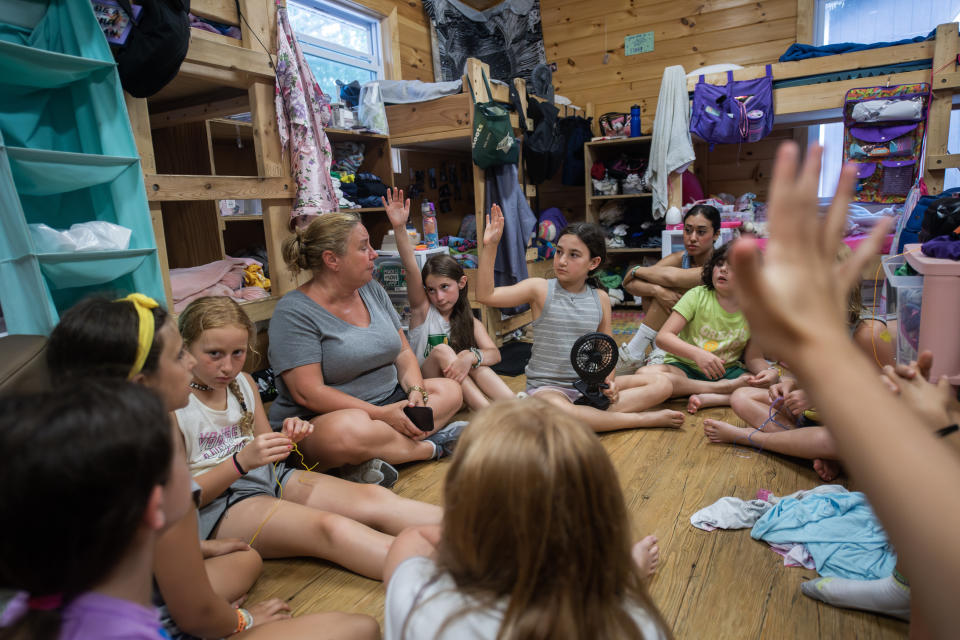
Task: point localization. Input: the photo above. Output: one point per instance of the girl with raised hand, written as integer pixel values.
(535, 542)
(137, 340)
(797, 301)
(565, 308)
(238, 460)
(444, 335)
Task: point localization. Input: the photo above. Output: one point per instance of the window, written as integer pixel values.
(339, 42)
(875, 21)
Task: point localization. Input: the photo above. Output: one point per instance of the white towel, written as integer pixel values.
(671, 149)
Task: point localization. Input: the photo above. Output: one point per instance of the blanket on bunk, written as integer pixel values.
(799, 51)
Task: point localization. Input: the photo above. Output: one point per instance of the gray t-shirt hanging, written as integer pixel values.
(355, 360)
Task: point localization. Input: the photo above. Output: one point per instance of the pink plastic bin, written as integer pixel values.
(941, 308)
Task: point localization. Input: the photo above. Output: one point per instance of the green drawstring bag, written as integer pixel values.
(493, 140)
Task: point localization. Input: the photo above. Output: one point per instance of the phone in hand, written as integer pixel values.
(421, 417)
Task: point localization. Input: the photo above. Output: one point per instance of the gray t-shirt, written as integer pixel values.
(355, 360)
(412, 584)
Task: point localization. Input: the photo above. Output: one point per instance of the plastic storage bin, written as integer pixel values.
(941, 305)
(904, 298)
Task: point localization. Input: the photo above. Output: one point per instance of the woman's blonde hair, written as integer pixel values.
(214, 312)
(303, 251)
(534, 513)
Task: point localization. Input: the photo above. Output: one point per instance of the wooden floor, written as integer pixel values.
(721, 584)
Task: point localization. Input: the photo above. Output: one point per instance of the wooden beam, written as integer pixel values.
(827, 64)
(948, 161)
(463, 133)
(266, 136)
(220, 55)
(938, 115)
(390, 30)
(224, 11)
(946, 81)
(444, 114)
(255, 27)
(829, 95)
(805, 21)
(200, 112)
(162, 187)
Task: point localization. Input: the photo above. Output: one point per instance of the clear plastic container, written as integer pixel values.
(430, 237)
(904, 297)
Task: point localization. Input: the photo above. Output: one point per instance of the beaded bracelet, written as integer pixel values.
(423, 392)
(478, 355)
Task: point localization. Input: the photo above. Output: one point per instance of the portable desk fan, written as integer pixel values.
(593, 356)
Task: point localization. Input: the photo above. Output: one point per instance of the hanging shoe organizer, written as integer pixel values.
(67, 156)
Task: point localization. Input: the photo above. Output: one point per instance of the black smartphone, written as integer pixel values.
(421, 417)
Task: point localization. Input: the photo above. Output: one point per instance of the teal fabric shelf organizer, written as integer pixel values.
(67, 155)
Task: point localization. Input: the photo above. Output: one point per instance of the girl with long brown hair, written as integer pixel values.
(535, 542)
(447, 340)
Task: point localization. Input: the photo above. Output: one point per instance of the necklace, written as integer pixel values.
(200, 387)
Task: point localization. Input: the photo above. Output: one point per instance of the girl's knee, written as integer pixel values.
(445, 389)
(443, 352)
(743, 397)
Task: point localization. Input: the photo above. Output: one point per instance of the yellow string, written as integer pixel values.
(276, 478)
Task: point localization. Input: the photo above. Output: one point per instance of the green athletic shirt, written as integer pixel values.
(710, 327)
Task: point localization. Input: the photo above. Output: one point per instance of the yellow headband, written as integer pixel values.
(143, 304)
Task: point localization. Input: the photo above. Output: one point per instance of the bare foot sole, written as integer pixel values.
(646, 553)
(718, 431)
(694, 403)
(702, 400)
(661, 418)
(827, 469)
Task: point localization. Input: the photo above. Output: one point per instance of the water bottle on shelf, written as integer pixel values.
(635, 121)
(430, 237)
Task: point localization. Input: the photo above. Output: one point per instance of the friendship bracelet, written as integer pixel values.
(236, 463)
(478, 355)
(244, 620)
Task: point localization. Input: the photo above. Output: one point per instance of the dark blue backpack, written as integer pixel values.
(910, 233)
(576, 131)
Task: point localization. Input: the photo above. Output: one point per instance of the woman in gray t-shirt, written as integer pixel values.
(341, 357)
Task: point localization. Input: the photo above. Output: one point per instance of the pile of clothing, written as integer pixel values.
(625, 174)
(239, 278)
(362, 190)
(628, 223)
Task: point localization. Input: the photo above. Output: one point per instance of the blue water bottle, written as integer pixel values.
(635, 121)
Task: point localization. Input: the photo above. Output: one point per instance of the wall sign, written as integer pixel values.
(638, 43)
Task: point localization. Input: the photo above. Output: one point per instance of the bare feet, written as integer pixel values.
(827, 469)
(701, 400)
(719, 431)
(646, 554)
(661, 418)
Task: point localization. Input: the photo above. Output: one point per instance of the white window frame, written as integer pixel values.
(346, 12)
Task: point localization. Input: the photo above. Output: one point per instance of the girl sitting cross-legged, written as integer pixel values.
(565, 308)
(447, 340)
(707, 340)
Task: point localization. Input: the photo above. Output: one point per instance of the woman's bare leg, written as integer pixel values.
(349, 436)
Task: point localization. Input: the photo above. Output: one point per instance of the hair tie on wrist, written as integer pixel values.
(236, 463)
(48, 602)
(144, 306)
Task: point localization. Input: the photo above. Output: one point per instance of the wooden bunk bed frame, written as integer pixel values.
(221, 76)
(822, 102)
(447, 124)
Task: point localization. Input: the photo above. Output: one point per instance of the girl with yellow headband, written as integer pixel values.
(134, 338)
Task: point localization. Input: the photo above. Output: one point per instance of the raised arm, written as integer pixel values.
(532, 291)
(398, 211)
(797, 303)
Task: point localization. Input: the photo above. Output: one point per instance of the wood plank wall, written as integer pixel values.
(416, 61)
(691, 33)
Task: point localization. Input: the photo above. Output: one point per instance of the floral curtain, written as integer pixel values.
(302, 113)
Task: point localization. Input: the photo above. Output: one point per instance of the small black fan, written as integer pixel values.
(593, 356)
